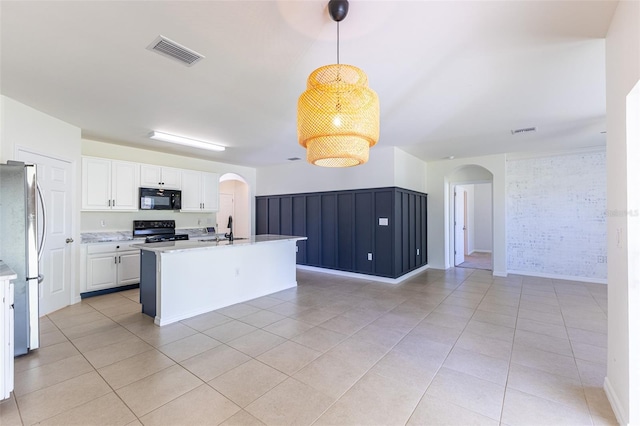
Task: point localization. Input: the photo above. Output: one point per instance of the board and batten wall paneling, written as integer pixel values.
(556, 209)
(379, 231)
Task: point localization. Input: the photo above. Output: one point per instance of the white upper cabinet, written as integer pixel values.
(199, 191)
(109, 184)
(160, 177)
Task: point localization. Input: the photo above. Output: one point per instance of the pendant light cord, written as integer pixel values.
(338, 43)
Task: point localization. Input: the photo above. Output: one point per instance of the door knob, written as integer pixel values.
(69, 240)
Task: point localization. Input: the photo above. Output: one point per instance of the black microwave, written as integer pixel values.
(160, 199)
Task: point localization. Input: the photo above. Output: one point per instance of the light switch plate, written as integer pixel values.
(383, 221)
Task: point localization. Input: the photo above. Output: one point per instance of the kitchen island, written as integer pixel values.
(182, 279)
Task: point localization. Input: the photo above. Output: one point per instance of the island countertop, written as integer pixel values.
(207, 244)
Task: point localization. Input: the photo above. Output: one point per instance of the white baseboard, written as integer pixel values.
(558, 277)
(365, 276)
(480, 251)
(500, 274)
(616, 406)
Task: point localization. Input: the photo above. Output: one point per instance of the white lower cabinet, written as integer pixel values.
(111, 265)
(6, 335)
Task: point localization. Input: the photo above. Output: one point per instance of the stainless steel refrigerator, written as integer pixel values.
(19, 247)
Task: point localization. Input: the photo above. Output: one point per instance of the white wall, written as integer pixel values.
(556, 215)
(121, 221)
(24, 127)
(483, 229)
(623, 72)
(441, 175)
(387, 166)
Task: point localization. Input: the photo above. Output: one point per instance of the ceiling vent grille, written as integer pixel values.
(524, 130)
(173, 50)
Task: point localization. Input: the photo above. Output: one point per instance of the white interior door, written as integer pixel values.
(226, 210)
(55, 179)
(458, 226)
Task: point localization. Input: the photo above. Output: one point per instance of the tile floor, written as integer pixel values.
(458, 347)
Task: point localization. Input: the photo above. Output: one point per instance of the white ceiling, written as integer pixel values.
(453, 77)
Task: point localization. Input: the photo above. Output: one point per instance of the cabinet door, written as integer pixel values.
(101, 271)
(191, 191)
(125, 179)
(150, 176)
(96, 184)
(129, 267)
(210, 196)
(171, 178)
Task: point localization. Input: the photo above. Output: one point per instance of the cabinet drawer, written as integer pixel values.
(110, 247)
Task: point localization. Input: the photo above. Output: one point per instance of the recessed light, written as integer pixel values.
(449, 157)
(181, 140)
(294, 158)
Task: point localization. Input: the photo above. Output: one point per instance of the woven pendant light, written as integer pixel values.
(338, 114)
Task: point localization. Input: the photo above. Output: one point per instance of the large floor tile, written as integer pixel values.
(331, 375)
(289, 357)
(543, 342)
(158, 389)
(9, 414)
(101, 339)
(521, 408)
(49, 374)
(188, 347)
(548, 362)
(411, 371)
(106, 410)
(476, 364)
(134, 368)
(48, 402)
(256, 342)
(560, 389)
(206, 321)
(214, 362)
(290, 403)
(115, 352)
(46, 355)
(229, 330)
(247, 382)
(242, 418)
(262, 318)
(478, 395)
(320, 339)
(200, 406)
(374, 399)
(438, 412)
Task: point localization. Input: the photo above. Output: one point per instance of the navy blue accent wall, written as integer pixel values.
(345, 227)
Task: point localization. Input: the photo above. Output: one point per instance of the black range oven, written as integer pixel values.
(156, 231)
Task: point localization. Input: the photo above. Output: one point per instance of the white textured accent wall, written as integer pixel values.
(556, 221)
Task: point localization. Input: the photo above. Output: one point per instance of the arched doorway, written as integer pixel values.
(235, 202)
(471, 217)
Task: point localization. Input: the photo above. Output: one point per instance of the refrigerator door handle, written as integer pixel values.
(43, 240)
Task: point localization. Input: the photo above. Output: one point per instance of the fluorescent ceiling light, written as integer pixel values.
(166, 137)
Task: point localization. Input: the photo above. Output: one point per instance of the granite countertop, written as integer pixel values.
(6, 273)
(114, 236)
(209, 243)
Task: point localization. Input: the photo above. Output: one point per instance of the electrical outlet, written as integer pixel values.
(103, 223)
(296, 249)
(237, 272)
(369, 256)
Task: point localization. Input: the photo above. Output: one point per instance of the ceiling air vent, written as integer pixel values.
(294, 159)
(524, 130)
(173, 50)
